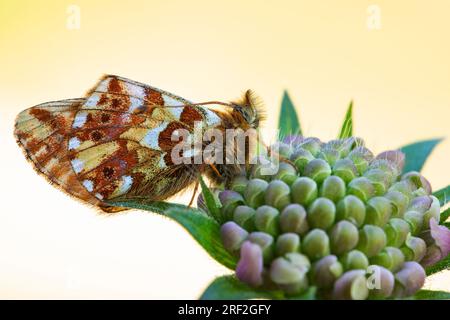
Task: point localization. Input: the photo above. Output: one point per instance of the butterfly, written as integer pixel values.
(117, 141)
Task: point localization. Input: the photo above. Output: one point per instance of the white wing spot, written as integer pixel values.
(134, 90)
(92, 101)
(89, 185)
(135, 104)
(162, 163)
(99, 196)
(169, 101)
(80, 119)
(151, 138)
(176, 112)
(77, 165)
(74, 143)
(212, 119)
(127, 182)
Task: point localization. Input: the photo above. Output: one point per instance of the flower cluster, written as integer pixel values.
(335, 217)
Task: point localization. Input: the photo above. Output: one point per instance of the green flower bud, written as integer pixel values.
(387, 167)
(418, 180)
(316, 244)
(255, 192)
(414, 248)
(239, 184)
(261, 167)
(361, 158)
(415, 220)
(342, 146)
(230, 200)
(321, 213)
(380, 282)
(345, 169)
(333, 188)
(329, 155)
(293, 219)
(409, 279)
(394, 157)
(354, 259)
(378, 211)
(283, 149)
(326, 271)
(244, 216)
(278, 194)
(312, 145)
(318, 170)
(290, 272)
(266, 242)
(352, 285)
(390, 257)
(429, 206)
(286, 243)
(362, 188)
(351, 208)
(266, 220)
(399, 201)
(232, 236)
(396, 232)
(286, 172)
(372, 240)
(380, 180)
(304, 191)
(343, 237)
(404, 187)
(301, 157)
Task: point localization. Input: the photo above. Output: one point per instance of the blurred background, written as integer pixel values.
(391, 57)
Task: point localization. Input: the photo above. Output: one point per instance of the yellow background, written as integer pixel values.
(321, 51)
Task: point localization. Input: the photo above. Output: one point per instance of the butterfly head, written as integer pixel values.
(250, 109)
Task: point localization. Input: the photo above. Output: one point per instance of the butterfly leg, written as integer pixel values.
(193, 194)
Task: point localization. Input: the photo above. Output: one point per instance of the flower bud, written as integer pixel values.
(232, 236)
(321, 213)
(265, 242)
(333, 188)
(304, 191)
(343, 237)
(361, 158)
(316, 244)
(261, 167)
(326, 271)
(440, 243)
(380, 282)
(429, 206)
(404, 187)
(372, 240)
(239, 184)
(380, 180)
(317, 170)
(255, 192)
(244, 216)
(293, 219)
(286, 172)
(351, 208)
(395, 157)
(362, 188)
(390, 257)
(312, 145)
(329, 155)
(250, 266)
(396, 232)
(293, 140)
(283, 149)
(418, 180)
(352, 285)
(278, 194)
(286, 243)
(414, 248)
(345, 169)
(230, 200)
(399, 201)
(354, 259)
(409, 279)
(342, 146)
(301, 157)
(266, 220)
(290, 272)
(415, 220)
(378, 211)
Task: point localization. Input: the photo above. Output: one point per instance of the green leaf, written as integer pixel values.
(432, 295)
(210, 201)
(347, 126)
(230, 288)
(442, 265)
(288, 122)
(444, 215)
(417, 153)
(443, 195)
(201, 227)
